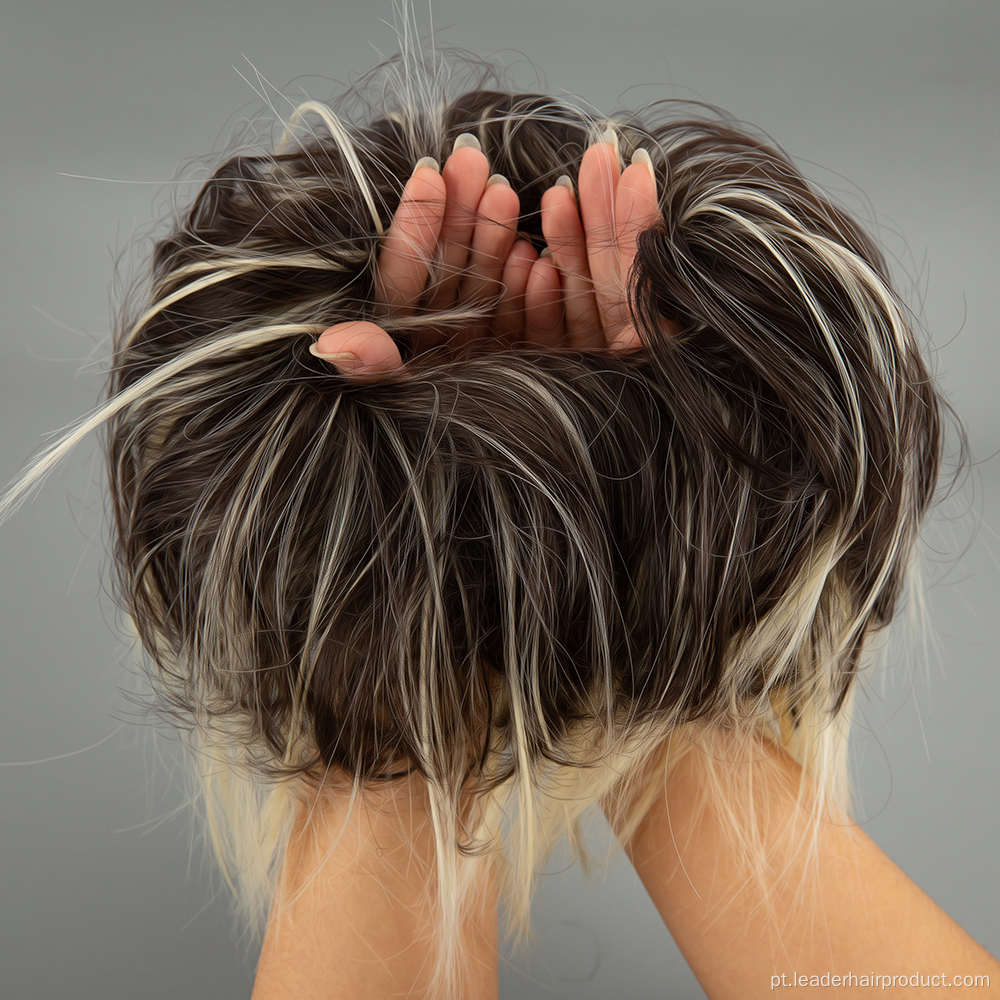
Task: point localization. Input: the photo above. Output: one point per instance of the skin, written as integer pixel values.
(572, 298)
(847, 909)
(355, 904)
(356, 894)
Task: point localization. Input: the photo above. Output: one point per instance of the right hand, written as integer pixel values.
(594, 244)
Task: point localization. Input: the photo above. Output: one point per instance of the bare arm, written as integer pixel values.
(854, 912)
(355, 915)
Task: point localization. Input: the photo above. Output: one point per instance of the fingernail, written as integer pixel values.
(641, 156)
(567, 182)
(339, 357)
(547, 252)
(498, 179)
(466, 139)
(427, 161)
(610, 136)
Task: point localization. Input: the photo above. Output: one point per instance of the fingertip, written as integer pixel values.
(610, 137)
(543, 305)
(543, 290)
(517, 268)
(597, 184)
(466, 140)
(544, 268)
(565, 181)
(640, 156)
(425, 183)
(328, 353)
(639, 177)
(636, 205)
(602, 153)
(420, 212)
(561, 224)
(467, 163)
(499, 202)
(557, 196)
(524, 249)
(332, 342)
(358, 348)
(522, 257)
(627, 340)
(427, 163)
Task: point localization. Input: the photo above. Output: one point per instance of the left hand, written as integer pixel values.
(464, 221)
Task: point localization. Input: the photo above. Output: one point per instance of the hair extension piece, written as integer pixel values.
(522, 575)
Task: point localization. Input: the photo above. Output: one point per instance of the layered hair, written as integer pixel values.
(522, 574)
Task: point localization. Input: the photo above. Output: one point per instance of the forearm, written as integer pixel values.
(843, 908)
(355, 915)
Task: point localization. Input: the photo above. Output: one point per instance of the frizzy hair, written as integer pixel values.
(518, 573)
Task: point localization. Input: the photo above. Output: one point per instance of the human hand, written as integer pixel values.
(575, 296)
(593, 244)
(450, 247)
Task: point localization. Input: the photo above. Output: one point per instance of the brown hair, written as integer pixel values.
(512, 568)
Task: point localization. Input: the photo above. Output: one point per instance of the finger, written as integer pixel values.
(508, 323)
(636, 205)
(599, 173)
(626, 338)
(544, 324)
(359, 349)
(492, 239)
(465, 173)
(636, 210)
(563, 231)
(403, 263)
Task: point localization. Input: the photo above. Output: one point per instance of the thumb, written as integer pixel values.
(358, 348)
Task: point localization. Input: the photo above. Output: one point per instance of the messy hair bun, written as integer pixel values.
(516, 572)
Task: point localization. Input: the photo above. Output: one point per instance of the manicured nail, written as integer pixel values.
(427, 161)
(466, 139)
(641, 156)
(339, 358)
(567, 182)
(610, 136)
(498, 179)
(547, 252)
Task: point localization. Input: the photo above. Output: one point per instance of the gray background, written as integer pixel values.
(892, 106)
